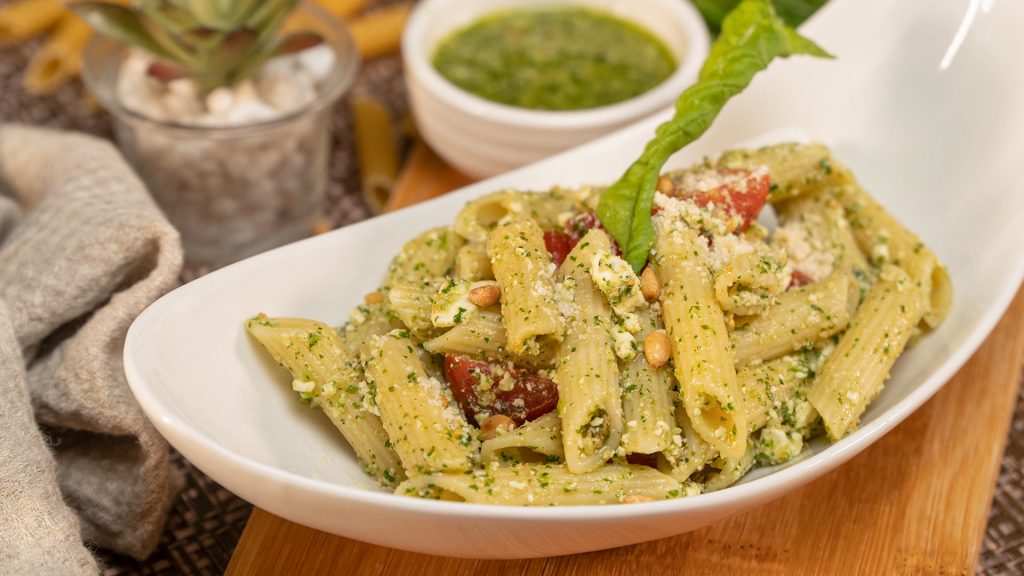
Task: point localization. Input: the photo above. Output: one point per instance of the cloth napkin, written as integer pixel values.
(83, 250)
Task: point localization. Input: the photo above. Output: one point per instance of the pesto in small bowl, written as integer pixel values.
(554, 58)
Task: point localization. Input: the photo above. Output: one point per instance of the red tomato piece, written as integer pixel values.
(559, 244)
(578, 226)
(799, 279)
(530, 396)
(743, 193)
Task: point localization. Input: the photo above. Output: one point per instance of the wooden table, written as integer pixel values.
(916, 502)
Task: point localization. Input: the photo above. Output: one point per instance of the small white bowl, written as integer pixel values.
(483, 138)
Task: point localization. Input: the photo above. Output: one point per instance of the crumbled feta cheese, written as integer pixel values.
(624, 343)
(776, 446)
(303, 385)
(615, 278)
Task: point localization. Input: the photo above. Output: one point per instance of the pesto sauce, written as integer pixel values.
(554, 59)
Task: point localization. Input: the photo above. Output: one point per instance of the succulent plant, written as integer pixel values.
(214, 42)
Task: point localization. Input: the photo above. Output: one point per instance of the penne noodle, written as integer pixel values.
(647, 399)
(426, 428)
(801, 317)
(425, 258)
(342, 9)
(586, 370)
(540, 438)
(794, 168)
(375, 148)
(523, 269)
(60, 58)
(379, 33)
(324, 372)
(853, 374)
(701, 352)
(23, 19)
(548, 484)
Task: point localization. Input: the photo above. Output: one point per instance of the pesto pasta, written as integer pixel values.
(517, 358)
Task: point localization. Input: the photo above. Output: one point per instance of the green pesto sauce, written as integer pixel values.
(554, 59)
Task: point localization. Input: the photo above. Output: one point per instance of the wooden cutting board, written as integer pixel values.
(916, 502)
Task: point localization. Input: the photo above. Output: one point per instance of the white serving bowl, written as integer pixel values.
(483, 138)
(939, 145)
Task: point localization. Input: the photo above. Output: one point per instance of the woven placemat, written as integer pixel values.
(206, 521)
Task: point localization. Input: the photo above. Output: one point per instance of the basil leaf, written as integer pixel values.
(752, 36)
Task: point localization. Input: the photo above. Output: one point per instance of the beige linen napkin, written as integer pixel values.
(83, 250)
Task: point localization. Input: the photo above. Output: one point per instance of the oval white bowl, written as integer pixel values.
(483, 138)
(940, 145)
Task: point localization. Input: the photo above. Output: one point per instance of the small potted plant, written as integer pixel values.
(223, 107)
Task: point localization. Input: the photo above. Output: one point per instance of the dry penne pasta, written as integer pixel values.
(23, 19)
(342, 9)
(375, 148)
(60, 58)
(380, 32)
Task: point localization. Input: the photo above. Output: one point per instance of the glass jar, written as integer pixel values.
(232, 191)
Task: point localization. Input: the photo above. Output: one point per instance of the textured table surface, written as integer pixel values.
(207, 520)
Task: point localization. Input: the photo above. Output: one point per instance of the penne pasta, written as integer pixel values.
(701, 352)
(325, 372)
(586, 370)
(427, 430)
(548, 484)
(648, 407)
(886, 241)
(539, 440)
(24, 19)
(853, 374)
(59, 59)
(523, 269)
(429, 256)
(800, 317)
(342, 9)
(379, 33)
(794, 168)
(375, 148)
(472, 263)
(411, 303)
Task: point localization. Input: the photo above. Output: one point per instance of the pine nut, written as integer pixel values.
(484, 296)
(373, 298)
(650, 285)
(637, 499)
(657, 349)
(665, 185)
(496, 425)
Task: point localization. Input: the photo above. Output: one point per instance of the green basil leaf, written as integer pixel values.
(752, 36)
